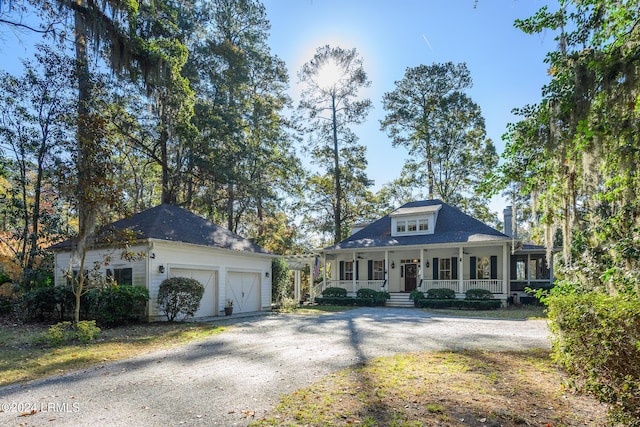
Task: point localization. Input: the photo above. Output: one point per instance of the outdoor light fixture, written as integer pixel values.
(153, 255)
(161, 268)
(266, 274)
(393, 264)
(426, 264)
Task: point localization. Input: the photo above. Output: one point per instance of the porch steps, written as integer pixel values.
(399, 300)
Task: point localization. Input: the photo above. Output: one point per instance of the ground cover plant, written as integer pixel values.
(467, 388)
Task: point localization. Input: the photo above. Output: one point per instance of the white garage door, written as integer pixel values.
(208, 279)
(244, 289)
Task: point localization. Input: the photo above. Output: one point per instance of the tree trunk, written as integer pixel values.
(336, 162)
(86, 209)
(167, 196)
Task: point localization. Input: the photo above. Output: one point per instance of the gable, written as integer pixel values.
(414, 220)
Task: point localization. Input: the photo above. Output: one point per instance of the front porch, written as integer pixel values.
(495, 286)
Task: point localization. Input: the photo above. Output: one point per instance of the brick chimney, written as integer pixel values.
(508, 221)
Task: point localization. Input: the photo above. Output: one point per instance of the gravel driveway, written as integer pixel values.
(224, 379)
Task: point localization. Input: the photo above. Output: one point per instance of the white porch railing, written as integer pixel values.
(492, 285)
(437, 284)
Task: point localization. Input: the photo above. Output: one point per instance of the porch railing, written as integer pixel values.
(436, 284)
(492, 285)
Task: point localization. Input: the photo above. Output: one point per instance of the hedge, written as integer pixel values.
(597, 340)
(491, 304)
(373, 299)
(111, 305)
(476, 294)
(347, 301)
(334, 292)
(441, 293)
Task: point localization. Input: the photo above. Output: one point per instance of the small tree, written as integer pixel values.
(280, 281)
(180, 295)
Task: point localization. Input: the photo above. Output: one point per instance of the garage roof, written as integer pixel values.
(172, 223)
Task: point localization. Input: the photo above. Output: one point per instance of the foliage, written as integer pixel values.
(179, 296)
(463, 304)
(330, 102)
(576, 154)
(45, 303)
(430, 114)
(441, 293)
(334, 292)
(280, 283)
(478, 294)
(243, 158)
(416, 295)
(349, 301)
(365, 293)
(65, 332)
(6, 305)
(597, 340)
(109, 305)
(116, 305)
(35, 112)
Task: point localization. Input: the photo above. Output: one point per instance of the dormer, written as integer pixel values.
(414, 221)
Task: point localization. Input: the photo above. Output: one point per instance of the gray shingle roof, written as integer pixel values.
(452, 226)
(172, 223)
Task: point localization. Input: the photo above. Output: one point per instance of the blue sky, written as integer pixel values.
(506, 64)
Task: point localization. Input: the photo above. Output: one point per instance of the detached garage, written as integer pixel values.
(177, 243)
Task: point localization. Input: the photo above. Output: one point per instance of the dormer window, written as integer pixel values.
(418, 220)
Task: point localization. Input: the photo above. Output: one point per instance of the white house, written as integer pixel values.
(177, 243)
(430, 244)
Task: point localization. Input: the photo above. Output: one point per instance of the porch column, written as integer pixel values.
(421, 268)
(354, 286)
(505, 270)
(296, 284)
(324, 276)
(386, 270)
(460, 270)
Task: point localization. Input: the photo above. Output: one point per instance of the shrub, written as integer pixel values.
(416, 295)
(459, 303)
(480, 294)
(597, 340)
(179, 295)
(334, 292)
(116, 305)
(6, 305)
(65, 332)
(381, 298)
(346, 301)
(86, 330)
(366, 293)
(441, 293)
(279, 280)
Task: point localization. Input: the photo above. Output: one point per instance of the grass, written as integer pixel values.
(512, 313)
(468, 388)
(22, 359)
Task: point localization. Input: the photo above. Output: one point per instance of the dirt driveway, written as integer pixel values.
(227, 378)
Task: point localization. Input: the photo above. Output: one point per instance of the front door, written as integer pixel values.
(410, 277)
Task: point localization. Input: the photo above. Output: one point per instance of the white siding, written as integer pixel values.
(63, 263)
(184, 257)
